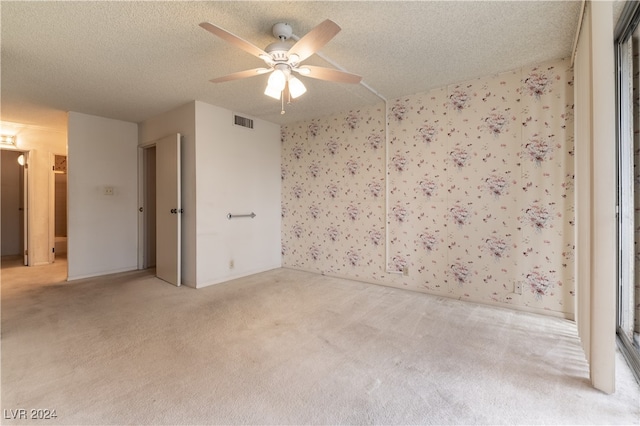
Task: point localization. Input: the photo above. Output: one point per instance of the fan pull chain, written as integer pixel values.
(282, 102)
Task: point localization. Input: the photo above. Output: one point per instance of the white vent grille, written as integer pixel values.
(243, 121)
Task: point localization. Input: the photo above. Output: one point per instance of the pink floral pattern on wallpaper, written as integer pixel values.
(497, 246)
(400, 162)
(333, 233)
(313, 129)
(460, 156)
(538, 216)
(538, 149)
(459, 99)
(480, 190)
(496, 184)
(460, 214)
(400, 213)
(428, 187)
(375, 236)
(461, 272)
(429, 241)
(375, 140)
(427, 133)
(536, 83)
(495, 122)
(333, 146)
(539, 283)
(399, 110)
(375, 188)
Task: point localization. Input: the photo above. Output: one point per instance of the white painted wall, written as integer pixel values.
(180, 120)
(238, 172)
(102, 229)
(225, 169)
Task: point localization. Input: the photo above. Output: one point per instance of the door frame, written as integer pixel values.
(28, 212)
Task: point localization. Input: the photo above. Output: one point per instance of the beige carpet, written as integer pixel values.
(286, 347)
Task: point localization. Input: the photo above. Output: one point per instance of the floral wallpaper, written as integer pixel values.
(479, 189)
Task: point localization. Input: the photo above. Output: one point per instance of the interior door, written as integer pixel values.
(168, 209)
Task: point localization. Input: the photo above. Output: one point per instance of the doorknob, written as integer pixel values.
(174, 211)
(140, 209)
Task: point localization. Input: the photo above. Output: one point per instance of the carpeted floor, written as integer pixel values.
(286, 347)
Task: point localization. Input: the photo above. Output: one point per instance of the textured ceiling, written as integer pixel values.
(133, 60)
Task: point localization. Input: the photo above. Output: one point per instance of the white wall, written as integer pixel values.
(180, 120)
(102, 229)
(238, 172)
(225, 169)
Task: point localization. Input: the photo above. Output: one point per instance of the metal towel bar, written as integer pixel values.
(233, 216)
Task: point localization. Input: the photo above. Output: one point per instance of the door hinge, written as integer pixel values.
(53, 250)
(26, 252)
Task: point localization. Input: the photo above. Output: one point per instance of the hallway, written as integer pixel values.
(14, 275)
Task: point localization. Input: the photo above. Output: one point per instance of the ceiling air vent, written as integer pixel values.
(243, 121)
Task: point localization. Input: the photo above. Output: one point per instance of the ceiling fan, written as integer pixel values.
(283, 59)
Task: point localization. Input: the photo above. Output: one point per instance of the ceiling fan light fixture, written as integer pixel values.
(277, 79)
(272, 92)
(296, 88)
(276, 83)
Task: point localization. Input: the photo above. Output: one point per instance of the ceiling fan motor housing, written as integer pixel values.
(282, 31)
(278, 50)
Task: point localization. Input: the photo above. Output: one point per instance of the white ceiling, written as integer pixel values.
(133, 60)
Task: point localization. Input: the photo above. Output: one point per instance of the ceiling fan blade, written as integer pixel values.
(241, 74)
(233, 39)
(315, 39)
(329, 74)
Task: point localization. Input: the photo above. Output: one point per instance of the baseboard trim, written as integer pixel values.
(549, 313)
(235, 277)
(103, 273)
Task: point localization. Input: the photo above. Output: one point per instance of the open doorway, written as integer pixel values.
(60, 206)
(149, 211)
(13, 193)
